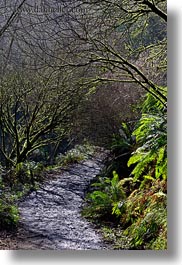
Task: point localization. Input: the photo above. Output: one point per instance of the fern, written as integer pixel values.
(161, 164)
(100, 198)
(150, 158)
(136, 157)
(118, 208)
(151, 104)
(108, 200)
(115, 179)
(124, 141)
(143, 164)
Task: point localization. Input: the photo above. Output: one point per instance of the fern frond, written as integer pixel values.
(136, 157)
(143, 165)
(115, 179)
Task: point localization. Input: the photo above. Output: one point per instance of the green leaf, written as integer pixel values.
(136, 157)
(148, 177)
(115, 179)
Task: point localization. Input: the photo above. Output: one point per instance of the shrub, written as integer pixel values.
(121, 148)
(75, 155)
(107, 200)
(150, 158)
(145, 217)
(9, 215)
(138, 202)
(25, 174)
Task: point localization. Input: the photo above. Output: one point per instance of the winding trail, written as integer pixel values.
(51, 216)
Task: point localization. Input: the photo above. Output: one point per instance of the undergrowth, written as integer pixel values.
(9, 215)
(25, 177)
(132, 210)
(16, 183)
(75, 155)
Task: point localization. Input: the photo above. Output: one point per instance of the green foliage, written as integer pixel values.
(150, 158)
(108, 199)
(14, 184)
(101, 202)
(20, 180)
(151, 129)
(143, 222)
(75, 155)
(9, 215)
(146, 215)
(123, 142)
(29, 168)
(70, 157)
(121, 148)
(26, 174)
(139, 202)
(1, 176)
(151, 105)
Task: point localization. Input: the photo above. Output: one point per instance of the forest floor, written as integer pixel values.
(50, 217)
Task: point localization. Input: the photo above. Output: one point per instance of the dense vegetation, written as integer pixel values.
(76, 76)
(137, 203)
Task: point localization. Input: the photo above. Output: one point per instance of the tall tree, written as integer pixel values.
(34, 111)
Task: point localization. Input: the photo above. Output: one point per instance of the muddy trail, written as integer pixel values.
(51, 216)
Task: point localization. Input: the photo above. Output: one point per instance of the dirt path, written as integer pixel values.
(50, 216)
